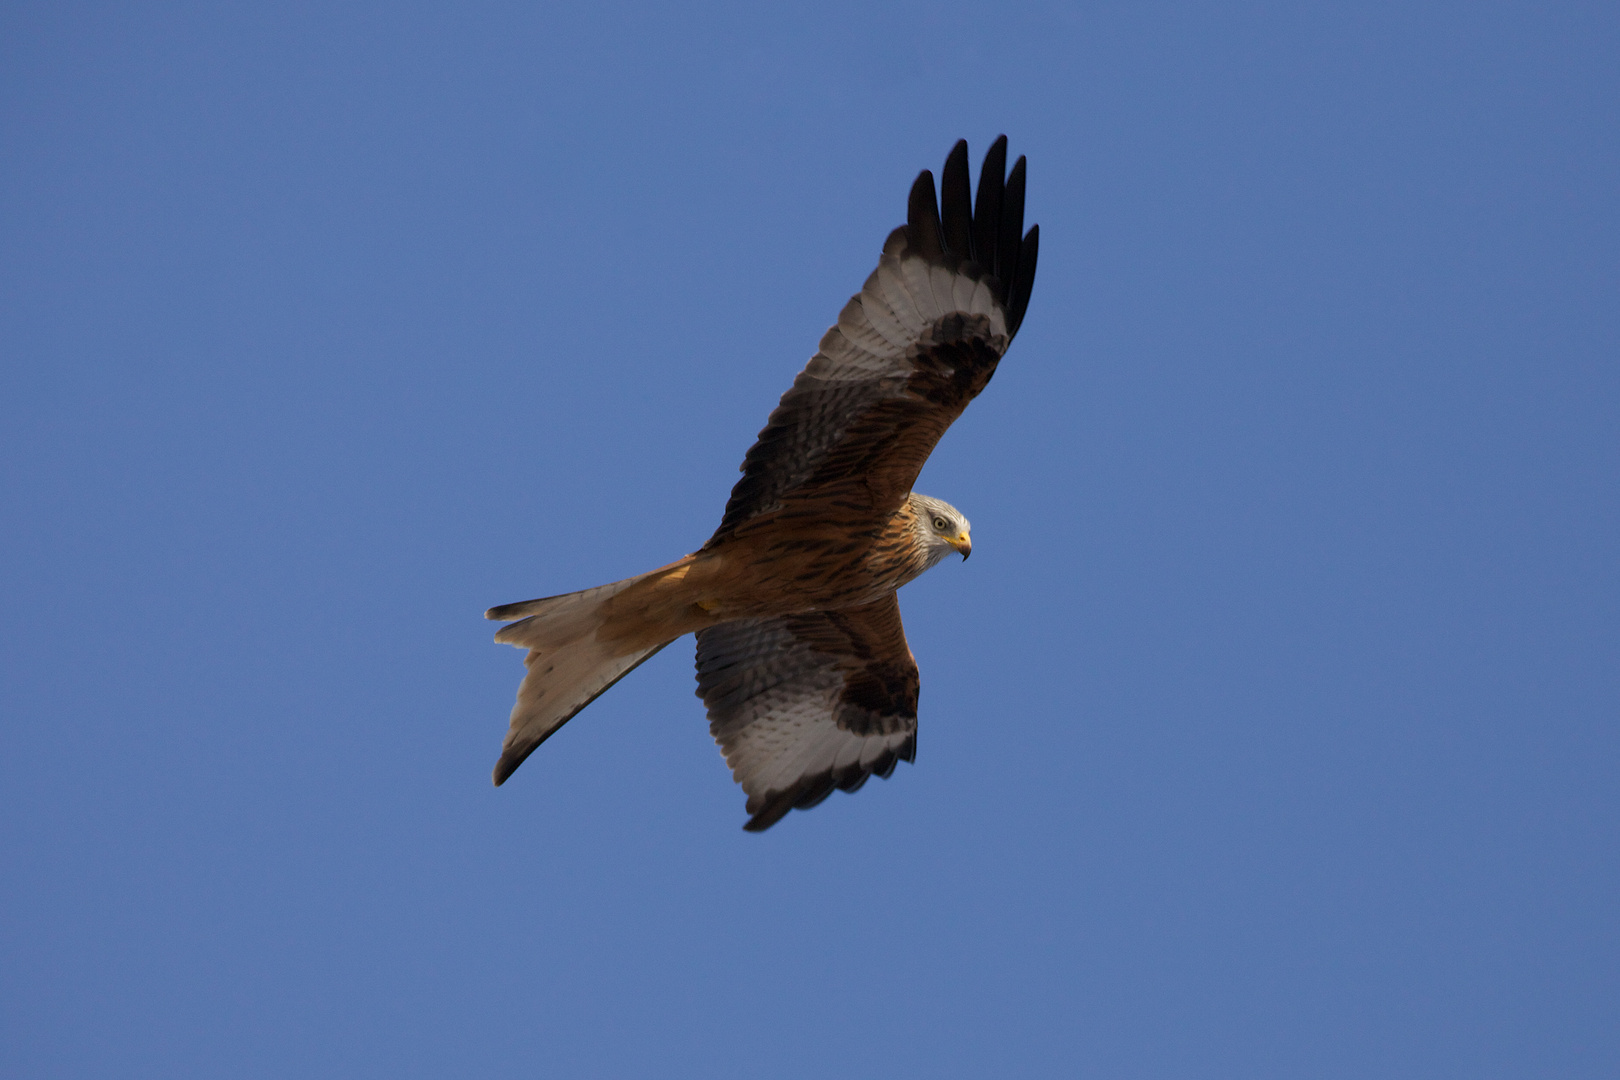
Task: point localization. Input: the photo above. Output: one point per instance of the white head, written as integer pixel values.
(944, 528)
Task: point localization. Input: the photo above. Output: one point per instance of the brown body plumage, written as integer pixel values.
(802, 658)
(781, 568)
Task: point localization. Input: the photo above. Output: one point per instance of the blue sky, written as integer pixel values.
(1270, 732)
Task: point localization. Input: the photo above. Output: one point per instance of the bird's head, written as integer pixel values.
(945, 528)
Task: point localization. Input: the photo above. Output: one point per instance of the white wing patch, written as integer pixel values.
(902, 298)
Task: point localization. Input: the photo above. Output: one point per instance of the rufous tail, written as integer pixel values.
(579, 645)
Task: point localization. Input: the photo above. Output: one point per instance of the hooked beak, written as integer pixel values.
(964, 544)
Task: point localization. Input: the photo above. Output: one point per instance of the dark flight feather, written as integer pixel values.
(956, 203)
(987, 210)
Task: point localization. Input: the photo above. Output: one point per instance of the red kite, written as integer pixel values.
(801, 657)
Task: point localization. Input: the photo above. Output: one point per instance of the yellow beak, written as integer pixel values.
(964, 544)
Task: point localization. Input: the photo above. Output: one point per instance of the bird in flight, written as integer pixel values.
(801, 658)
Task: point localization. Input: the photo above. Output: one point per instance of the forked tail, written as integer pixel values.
(579, 645)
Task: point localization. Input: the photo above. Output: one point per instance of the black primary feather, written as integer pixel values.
(1026, 279)
(987, 210)
(922, 218)
(1012, 230)
(956, 203)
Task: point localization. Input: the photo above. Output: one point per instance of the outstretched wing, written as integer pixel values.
(802, 704)
(910, 350)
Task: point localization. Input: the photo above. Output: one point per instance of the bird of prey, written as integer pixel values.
(801, 657)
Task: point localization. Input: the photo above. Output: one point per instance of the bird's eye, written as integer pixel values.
(939, 523)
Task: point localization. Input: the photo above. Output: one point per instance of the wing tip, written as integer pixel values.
(956, 202)
(1028, 251)
(922, 217)
(764, 820)
(986, 229)
(511, 758)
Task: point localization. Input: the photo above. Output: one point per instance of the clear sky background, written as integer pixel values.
(1270, 732)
